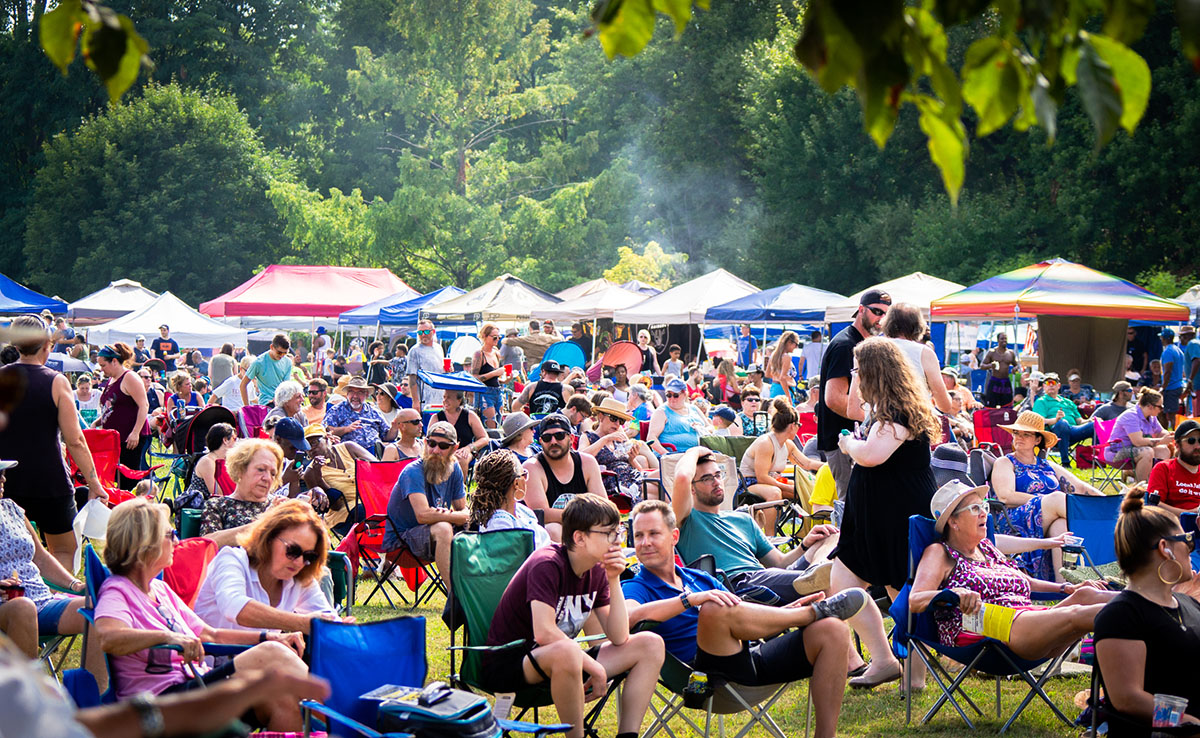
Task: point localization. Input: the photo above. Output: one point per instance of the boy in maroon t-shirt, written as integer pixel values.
(1177, 480)
(558, 589)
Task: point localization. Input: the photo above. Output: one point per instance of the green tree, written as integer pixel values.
(168, 188)
(649, 264)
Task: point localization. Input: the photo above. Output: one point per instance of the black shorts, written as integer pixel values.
(504, 671)
(52, 515)
(779, 660)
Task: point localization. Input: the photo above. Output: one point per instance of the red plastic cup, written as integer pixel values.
(508, 371)
(11, 592)
(446, 365)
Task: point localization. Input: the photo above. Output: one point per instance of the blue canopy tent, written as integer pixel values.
(567, 353)
(17, 298)
(369, 314)
(790, 303)
(405, 313)
(456, 382)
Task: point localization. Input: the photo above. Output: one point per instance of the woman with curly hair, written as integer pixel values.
(891, 481)
(496, 504)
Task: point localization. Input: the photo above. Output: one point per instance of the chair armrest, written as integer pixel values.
(309, 706)
(945, 598)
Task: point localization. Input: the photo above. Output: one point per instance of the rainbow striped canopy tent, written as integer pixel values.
(1058, 287)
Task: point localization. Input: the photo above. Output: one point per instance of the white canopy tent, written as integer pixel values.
(505, 299)
(688, 302)
(586, 288)
(596, 305)
(917, 288)
(188, 327)
(121, 297)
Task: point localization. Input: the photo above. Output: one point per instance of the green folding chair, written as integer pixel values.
(339, 570)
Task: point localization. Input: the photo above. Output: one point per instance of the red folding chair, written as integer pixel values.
(105, 446)
(987, 422)
(189, 567)
(250, 419)
(808, 427)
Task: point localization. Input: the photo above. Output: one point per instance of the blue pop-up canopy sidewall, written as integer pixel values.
(567, 353)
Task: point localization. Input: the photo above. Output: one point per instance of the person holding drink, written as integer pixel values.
(486, 367)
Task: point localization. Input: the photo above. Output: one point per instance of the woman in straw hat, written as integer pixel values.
(1035, 490)
(970, 565)
(627, 458)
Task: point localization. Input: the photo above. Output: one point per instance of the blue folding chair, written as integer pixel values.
(916, 633)
(1094, 519)
(1188, 521)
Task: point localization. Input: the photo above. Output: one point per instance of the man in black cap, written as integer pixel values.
(998, 391)
(558, 473)
(547, 395)
(1177, 480)
(834, 398)
(289, 434)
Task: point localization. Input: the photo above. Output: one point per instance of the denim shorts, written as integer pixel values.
(489, 397)
(50, 613)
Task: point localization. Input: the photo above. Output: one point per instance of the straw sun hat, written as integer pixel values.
(614, 408)
(1031, 422)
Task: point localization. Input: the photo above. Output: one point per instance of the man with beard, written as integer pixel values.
(408, 444)
(833, 415)
(1000, 361)
(547, 395)
(1177, 480)
(358, 420)
(429, 502)
(558, 474)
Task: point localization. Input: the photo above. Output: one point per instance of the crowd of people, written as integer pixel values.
(597, 470)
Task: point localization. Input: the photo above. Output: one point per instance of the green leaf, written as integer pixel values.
(827, 49)
(953, 12)
(629, 27)
(947, 141)
(680, 11)
(131, 61)
(1125, 20)
(59, 30)
(1187, 13)
(1132, 76)
(113, 50)
(1098, 90)
(880, 85)
(991, 83)
(1045, 108)
(925, 50)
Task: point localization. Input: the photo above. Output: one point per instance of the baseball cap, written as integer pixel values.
(7, 464)
(754, 369)
(1051, 377)
(726, 413)
(1122, 386)
(550, 366)
(1073, 376)
(555, 420)
(139, 337)
(675, 385)
(950, 371)
(444, 430)
(321, 329)
(870, 297)
(1185, 429)
(315, 429)
(1167, 333)
(291, 431)
(164, 325)
(511, 331)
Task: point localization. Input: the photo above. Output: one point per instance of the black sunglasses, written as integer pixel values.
(293, 552)
(555, 436)
(443, 445)
(1188, 538)
(878, 313)
(315, 391)
(415, 421)
(674, 394)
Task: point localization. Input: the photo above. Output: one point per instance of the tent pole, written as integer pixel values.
(593, 338)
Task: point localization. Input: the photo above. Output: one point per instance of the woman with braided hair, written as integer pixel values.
(496, 504)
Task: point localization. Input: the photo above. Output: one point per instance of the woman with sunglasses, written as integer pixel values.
(497, 503)
(678, 422)
(136, 611)
(1138, 436)
(968, 564)
(1148, 637)
(270, 580)
(486, 367)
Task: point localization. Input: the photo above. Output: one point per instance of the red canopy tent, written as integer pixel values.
(308, 291)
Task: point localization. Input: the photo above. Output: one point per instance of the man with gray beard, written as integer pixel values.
(428, 501)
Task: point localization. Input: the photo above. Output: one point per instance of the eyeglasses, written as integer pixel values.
(293, 552)
(424, 332)
(555, 436)
(1189, 539)
(614, 535)
(876, 311)
(1191, 441)
(674, 394)
(752, 399)
(443, 445)
(717, 476)
(975, 508)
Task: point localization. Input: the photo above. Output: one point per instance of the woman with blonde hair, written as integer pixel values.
(271, 578)
(780, 369)
(649, 355)
(891, 481)
(255, 465)
(136, 610)
(182, 394)
(486, 367)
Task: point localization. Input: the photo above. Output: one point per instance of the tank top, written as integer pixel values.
(224, 482)
(554, 488)
(647, 360)
(462, 426)
(997, 580)
(546, 398)
(484, 368)
(679, 431)
(118, 410)
(33, 439)
(777, 463)
(913, 352)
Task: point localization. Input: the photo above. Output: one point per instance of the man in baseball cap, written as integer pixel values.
(547, 395)
(559, 473)
(1122, 393)
(429, 501)
(1177, 480)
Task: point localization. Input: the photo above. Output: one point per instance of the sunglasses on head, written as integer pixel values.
(293, 552)
(555, 436)
(443, 445)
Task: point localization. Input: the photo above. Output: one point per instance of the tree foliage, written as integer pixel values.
(648, 264)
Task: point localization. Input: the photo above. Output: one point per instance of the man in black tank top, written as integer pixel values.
(547, 395)
(558, 471)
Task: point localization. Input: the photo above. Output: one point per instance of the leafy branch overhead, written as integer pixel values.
(112, 48)
(892, 53)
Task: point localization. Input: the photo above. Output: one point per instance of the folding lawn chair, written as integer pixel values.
(250, 419)
(48, 646)
(916, 633)
(1100, 712)
(1188, 521)
(481, 567)
(987, 422)
(1109, 473)
(105, 446)
(1094, 519)
(808, 427)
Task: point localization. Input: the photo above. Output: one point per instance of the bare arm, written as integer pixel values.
(1004, 483)
(837, 394)
(658, 421)
(933, 377)
(1126, 685)
(934, 567)
(535, 492)
(132, 386)
(259, 615)
(414, 390)
(797, 457)
(50, 568)
(427, 515)
(242, 389)
(207, 469)
(118, 639)
(595, 483)
(72, 434)
(681, 486)
(1072, 484)
(881, 443)
(545, 625)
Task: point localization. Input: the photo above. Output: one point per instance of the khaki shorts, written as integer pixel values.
(1124, 454)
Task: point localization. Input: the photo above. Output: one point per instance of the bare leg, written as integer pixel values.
(1054, 521)
(282, 714)
(18, 620)
(820, 552)
(642, 656)
(1043, 633)
(769, 493)
(868, 623)
(563, 662)
(827, 685)
(62, 546)
(442, 534)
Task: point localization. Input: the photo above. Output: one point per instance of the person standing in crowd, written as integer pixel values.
(891, 481)
(673, 365)
(63, 336)
(377, 364)
(580, 339)
(358, 420)
(426, 356)
(165, 348)
(513, 355)
(780, 369)
(1191, 366)
(1177, 481)
(268, 370)
(1173, 375)
(746, 346)
(124, 407)
(1148, 637)
(86, 398)
(559, 473)
(1063, 415)
(43, 420)
(548, 328)
(811, 356)
(398, 364)
(545, 606)
(228, 394)
(429, 501)
(487, 368)
(649, 355)
(222, 366)
(999, 362)
(1122, 393)
(833, 404)
(905, 326)
(140, 353)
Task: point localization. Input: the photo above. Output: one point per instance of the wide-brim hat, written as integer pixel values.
(613, 407)
(1031, 422)
(390, 390)
(946, 500)
(514, 425)
(347, 383)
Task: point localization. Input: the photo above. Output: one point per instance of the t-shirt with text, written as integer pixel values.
(163, 346)
(546, 576)
(1175, 485)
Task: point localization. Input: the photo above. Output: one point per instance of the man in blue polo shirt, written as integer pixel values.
(703, 624)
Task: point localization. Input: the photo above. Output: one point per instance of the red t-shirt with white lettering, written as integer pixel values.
(1175, 485)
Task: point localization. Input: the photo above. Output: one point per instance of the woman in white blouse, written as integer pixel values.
(271, 580)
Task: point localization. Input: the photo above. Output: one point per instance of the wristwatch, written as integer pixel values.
(150, 717)
(683, 599)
